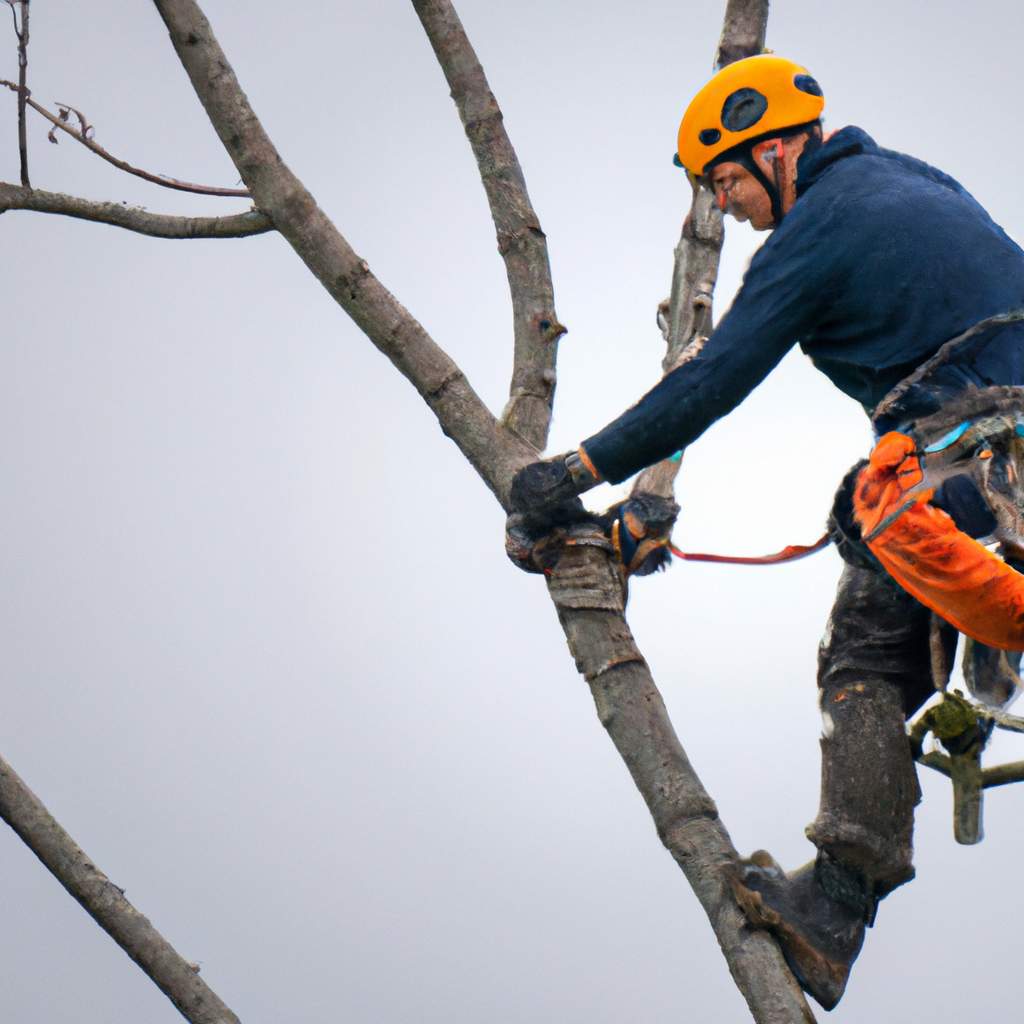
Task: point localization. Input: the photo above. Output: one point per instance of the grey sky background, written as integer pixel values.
(263, 655)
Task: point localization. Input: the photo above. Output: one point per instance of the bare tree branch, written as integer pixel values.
(60, 121)
(132, 218)
(743, 31)
(521, 241)
(495, 452)
(997, 775)
(588, 592)
(106, 903)
(695, 272)
(1003, 774)
(22, 89)
(586, 586)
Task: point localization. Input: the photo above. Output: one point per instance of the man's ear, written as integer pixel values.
(766, 153)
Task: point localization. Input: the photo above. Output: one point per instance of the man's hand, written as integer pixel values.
(542, 485)
(545, 507)
(541, 488)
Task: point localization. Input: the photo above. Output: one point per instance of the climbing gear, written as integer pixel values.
(640, 529)
(921, 546)
(745, 103)
(818, 915)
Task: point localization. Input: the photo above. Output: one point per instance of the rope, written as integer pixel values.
(791, 553)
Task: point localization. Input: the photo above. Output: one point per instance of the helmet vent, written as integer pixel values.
(709, 136)
(742, 109)
(807, 84)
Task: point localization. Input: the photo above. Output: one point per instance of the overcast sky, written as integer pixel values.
(263, 655)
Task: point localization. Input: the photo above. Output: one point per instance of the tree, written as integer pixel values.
(355, 548)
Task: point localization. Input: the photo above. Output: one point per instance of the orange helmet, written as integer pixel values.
(744, 102)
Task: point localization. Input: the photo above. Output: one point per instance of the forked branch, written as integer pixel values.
(521, 242)
(495, 452)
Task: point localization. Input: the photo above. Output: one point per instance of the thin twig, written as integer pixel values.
(521, 242)
(132, 218)
(106, 903)
(80, 136)
(23, 91)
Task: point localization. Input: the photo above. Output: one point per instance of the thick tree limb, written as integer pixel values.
(495, 452)
(588, 592)
(521, 241)
(132, 218)
(105, 902)
(122, 165)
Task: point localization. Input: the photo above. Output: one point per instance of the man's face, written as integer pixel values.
(740, 194)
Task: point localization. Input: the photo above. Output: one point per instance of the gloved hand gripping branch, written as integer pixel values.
(546, 508)
(548, 515)
(549, 489)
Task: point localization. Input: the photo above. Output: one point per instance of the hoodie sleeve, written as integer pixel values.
(784, 292)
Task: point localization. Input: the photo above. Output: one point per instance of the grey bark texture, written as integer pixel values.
(521, 242)
(106, 903)
(493, 450)
(132, 218)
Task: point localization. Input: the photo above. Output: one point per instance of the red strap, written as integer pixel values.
(787, 554)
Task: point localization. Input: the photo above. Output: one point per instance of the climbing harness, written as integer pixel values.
(920, 545)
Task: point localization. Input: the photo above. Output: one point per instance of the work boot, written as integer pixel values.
(817, 914)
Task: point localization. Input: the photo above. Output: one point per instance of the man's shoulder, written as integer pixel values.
(851, 164)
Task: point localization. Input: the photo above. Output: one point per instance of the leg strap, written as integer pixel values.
(922, 548)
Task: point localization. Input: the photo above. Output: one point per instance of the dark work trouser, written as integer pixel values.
(874, 670)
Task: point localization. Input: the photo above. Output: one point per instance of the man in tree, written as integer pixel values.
(904, 292)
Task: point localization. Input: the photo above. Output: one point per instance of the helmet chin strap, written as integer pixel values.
(772, 188)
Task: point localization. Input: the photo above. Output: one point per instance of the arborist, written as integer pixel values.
(907, 296)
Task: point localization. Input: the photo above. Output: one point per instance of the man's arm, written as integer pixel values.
(789, 283)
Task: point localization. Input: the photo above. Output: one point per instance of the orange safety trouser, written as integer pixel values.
(922, 549)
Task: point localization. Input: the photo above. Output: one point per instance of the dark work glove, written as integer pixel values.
(541, 487)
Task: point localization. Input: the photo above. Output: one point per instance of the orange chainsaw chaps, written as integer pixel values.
(922, 549)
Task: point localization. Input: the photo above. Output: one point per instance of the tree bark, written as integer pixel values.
(132, 218)
(106, 904)
(587, 586)
(521, 242)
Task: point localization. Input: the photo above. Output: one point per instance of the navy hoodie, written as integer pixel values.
(881, 259)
